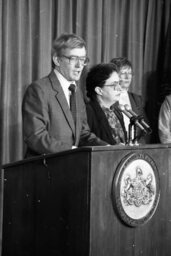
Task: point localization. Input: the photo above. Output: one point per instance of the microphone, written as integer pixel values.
(131, 117)
(122, 109)
(140, 118)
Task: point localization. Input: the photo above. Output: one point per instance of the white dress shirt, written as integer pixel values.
(65, 85)
(124, 100)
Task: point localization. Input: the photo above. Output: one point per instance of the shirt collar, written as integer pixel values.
(63, 81)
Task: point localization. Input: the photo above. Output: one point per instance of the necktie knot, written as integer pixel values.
(72, 88)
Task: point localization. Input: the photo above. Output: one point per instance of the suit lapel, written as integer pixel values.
(60, 96)
(133, 103)
(102, 120)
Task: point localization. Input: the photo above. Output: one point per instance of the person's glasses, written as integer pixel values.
(74, 60)
(116, 86)
(126, 74)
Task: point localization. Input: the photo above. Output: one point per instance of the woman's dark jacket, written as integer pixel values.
(99, 124)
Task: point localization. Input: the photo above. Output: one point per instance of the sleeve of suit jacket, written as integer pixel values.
(164, 121)
(41, 132)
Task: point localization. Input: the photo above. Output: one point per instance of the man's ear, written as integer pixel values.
(98, 90)
(56, 60)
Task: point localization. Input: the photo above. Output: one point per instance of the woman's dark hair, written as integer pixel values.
(121, 62)
(97, 76)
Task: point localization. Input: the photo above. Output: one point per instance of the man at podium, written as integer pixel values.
(49, 125)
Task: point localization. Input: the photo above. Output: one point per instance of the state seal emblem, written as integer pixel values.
(135, 189)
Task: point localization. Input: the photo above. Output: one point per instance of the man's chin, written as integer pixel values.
(76, 78)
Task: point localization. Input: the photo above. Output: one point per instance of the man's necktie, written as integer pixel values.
(72, 88)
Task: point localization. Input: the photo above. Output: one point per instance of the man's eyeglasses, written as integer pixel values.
(116, 86)
(74, 60)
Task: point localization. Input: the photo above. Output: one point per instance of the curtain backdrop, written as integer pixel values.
(136, 29)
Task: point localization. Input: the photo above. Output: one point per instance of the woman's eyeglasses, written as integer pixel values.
(126, 73)
(116, 86)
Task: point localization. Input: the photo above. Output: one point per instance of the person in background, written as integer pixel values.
(103, 91)
(164, 121)
(48, 124)
(133, 100)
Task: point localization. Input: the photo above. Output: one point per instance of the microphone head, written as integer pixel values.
(121, 107)
(127, 107)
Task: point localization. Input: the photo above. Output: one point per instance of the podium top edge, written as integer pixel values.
(86, 149)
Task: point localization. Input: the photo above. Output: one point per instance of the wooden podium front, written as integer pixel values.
(69, 204)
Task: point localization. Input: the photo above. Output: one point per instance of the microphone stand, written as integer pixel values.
(130, 141)
(132, 130)
(135, 121)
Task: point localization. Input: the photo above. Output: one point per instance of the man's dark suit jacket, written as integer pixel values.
(136, 103)
(99, 124)
(137, 107)
(48, 125)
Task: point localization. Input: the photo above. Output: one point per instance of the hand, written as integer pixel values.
(121, 144)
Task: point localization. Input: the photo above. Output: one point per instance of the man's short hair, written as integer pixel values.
(66, 41)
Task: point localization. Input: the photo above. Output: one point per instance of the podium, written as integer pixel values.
(90, 201)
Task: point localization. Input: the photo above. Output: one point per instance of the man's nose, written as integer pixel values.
(78, 63)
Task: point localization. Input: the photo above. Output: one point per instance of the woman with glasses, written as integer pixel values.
(103, 91)
(131, 100)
